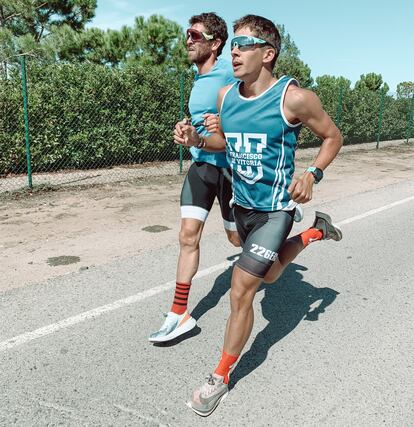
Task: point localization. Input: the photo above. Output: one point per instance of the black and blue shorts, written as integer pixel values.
(203, 183)
(262, 235)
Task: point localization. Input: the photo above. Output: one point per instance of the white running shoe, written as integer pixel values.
(207, 397)
(298, 213)
(173, 326)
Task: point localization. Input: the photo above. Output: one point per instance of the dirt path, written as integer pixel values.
(48, 234)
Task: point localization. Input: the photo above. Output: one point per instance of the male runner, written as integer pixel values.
(261, 118)
(205, 179)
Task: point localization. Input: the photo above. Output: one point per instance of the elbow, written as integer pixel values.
(341, 140)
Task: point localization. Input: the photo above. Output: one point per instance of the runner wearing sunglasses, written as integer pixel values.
(205, 179)
(261, 118)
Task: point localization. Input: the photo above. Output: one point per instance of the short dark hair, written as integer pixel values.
(262, 28)
(215, 26)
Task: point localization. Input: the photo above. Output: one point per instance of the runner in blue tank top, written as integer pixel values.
(261, 151)
(261, 118)
(205, 179)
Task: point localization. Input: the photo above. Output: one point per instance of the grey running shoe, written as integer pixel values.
(298, 213)
(324, 223)
(207, 397)
(173, 326)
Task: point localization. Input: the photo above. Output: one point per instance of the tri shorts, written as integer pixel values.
(262, 235)
(203, 183)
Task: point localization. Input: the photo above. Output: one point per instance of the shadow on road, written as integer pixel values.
(285, 304)
(220, 287)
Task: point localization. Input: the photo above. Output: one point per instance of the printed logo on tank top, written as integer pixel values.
(246, 154)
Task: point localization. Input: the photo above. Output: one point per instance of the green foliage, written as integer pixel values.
(405, 90)
(38, 17)
(156, 41)
(90, 116)
(292, 66)
(356, 111)
(289, 47)
(372, 82)
(25, 23)
(289, 63)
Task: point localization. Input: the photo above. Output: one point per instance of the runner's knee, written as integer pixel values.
(189, 238)
(241, 298)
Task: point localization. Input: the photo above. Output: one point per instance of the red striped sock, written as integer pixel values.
(180, 298)
(311, 235)
(224, 367)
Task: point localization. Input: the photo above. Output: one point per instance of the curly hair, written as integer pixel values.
(214, 25)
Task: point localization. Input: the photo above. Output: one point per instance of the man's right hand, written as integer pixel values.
(212, 123)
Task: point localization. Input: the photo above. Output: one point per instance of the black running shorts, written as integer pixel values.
(262, 234)
(203, 183)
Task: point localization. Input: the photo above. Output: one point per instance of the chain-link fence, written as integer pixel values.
(87, 124)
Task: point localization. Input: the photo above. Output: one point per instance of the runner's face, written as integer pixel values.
(200, 51)
(247, 63)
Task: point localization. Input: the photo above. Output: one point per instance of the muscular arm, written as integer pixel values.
(304, 106)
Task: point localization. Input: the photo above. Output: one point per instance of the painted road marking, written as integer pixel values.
(96, 312)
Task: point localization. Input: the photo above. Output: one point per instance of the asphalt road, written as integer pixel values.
(332, 343)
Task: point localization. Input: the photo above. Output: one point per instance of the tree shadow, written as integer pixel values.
(285, 304)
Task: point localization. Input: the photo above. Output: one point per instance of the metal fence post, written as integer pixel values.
(381, 110)
(410, 118)
(26, 121)
(182, 77)
(339, 107)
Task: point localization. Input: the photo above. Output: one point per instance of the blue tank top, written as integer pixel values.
(203, 99)
(261, 146)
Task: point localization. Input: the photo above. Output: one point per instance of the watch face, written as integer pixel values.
(318, 174)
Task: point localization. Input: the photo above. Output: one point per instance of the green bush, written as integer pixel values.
(91, 116)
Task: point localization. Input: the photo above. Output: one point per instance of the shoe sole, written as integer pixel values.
(186, 327)
(337, 232)
(206, 414)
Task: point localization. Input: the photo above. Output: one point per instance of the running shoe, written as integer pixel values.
(207, 397)
(324, 223)
(298, 213)
(173, 326)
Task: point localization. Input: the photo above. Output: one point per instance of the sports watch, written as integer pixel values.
(316, 172)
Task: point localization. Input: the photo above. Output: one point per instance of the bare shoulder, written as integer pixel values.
(223, 90)
(221, 94)
(299, 100)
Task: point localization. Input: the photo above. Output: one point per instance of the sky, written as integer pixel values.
(346, 38)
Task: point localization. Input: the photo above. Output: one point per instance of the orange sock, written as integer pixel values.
(224, 367)
(311, 235)
(180, 297)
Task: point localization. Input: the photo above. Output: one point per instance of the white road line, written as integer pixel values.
(96, 312)
(375, 211)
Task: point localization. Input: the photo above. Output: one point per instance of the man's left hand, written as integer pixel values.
(186, 134)
(300, 190)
